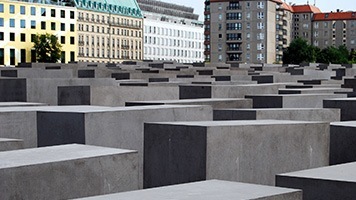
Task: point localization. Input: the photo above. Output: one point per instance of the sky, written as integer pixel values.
(324, 5)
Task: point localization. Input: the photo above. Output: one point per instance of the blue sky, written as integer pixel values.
(324, 5)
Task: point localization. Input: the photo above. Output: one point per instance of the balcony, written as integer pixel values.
(233, 40)
(233, 8)
(125, 46)
(234, 50)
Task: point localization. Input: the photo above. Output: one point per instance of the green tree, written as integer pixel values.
(334, 55)
(47, 47)
(299, 51)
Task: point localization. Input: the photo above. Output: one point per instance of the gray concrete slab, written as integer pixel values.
(307, 114)
(7, 144)
(342, 142)
(246, 151)
(208, 190)
(214, 103)
(68, 171)
(118, 127)
(332, 182)
(17, 104)
(291, 100)
(347, 106)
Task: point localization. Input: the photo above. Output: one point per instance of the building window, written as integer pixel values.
(22, 10)
(260, 56)
(1, 22)
(12, 23)
(43, 25)
(72, 40)
(72, 14)
(63, 14)
(2, 57)
(260, 5)
(33, 11)
(63, 27)
(53, 13)
(12, 57)
(260, 46)
(23, 37)
(53, 26)
(22, 23)
(1, 8)
(12, 36)
(33, 24)
(1, 36)
(23, 55)
(260, 25)
(260, 15)
(33, 37)
(12, 9)
(63, 39)
(72, 28)
(43, 12)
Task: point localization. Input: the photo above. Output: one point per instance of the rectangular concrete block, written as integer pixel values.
(10, 144)
(68, 171)
(327, 183)
(306, 114)
(118, 127)
(246, 151)
(347, 106)
(13, 89)
(291, 101)
(342, 142)
(73, 95)
(208, 190)
(214, 103)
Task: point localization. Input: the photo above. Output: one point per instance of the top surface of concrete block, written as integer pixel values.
(237, 123)
(15, 104)
(344, 172)
(194, 100)
(346, 124)
(206, 190)
(9, 140)
(54, 154)
(342, 99)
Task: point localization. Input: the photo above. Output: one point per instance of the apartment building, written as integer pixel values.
(172, 32)
(334, 29)
(109, 30)
(21, 20)
(246, 31)
(302, 21)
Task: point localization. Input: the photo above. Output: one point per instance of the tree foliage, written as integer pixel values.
(300, 51)
(47, 47)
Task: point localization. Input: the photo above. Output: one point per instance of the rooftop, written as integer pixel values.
(335, 16)
(305, 9)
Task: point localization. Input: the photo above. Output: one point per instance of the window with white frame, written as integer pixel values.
(260, 56)
(260, 36)
(260, 46)
(260, 4)
(260, 15)
(260, 25)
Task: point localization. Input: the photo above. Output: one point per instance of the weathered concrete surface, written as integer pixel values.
(214, 103)
(68, 171)
(10, 144)
(118, 127)
(306, 114)
(326, 183)
(208, 190)
(246, 151)
(347, 106)
(291, 101)
(342, 142)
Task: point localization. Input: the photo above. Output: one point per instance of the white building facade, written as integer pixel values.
(172, 38)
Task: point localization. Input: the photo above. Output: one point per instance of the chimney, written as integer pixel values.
(337, 10)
